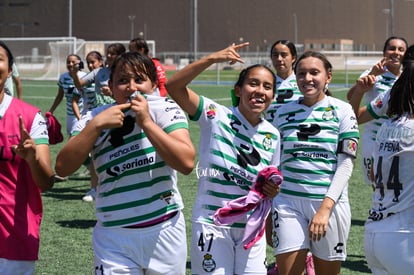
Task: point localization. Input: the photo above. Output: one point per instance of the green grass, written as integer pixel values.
(66, 231)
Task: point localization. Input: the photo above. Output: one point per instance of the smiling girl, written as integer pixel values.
(138, 145)
(319, 139)
(236, 143)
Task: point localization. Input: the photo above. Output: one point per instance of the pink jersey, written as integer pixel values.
(19, 222)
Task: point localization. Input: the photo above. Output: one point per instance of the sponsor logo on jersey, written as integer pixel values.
(178, 116)
(378, 103)
(211, 111)
(124, 151)
(312, 155)
(172, 109)
(119, 169)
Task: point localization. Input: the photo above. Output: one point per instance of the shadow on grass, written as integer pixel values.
(358, 222)
(79, 224)
(72, 192)
(356, 263)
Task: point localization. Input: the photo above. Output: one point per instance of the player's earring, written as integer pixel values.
(326, 87)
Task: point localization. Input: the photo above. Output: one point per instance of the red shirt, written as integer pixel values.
(161, 76)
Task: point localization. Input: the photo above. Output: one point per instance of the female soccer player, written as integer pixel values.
(389, 231)
(319, 141)
(138, 145)
(25, 171)
(371, 83)
(235, 144)
(283, 55)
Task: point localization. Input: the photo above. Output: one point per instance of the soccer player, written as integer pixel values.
(389, 230)
(319, 141)
(138, 145)
(235, 144)
(371, 83)
(66, 89)
(141, 46)
(87, 94)
(100, 76)
(283, 55)
(94, 60)
(25, 171)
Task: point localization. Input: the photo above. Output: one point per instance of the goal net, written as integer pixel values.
(44, 58)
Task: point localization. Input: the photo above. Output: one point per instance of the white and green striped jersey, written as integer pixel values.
(382, 84)
(88, 95)
(286, 91)
(310, 142)
(68, 86)
(231, 153)
(394, 181)
(378, 106)
(99, 76)
(135, 184)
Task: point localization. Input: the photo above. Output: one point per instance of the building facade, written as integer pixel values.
(209, 25)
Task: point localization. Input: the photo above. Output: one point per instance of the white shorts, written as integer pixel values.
(17, 267)
(158, 249)
(389, 244)
(390, 253)
(291, 218)
(70, 122)
(219, 250)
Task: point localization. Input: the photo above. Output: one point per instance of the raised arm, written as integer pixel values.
(57, 100)
(175, 147)
(177, 84)
(355, 95)
(79, 82)
(77, 149)
(38, 158)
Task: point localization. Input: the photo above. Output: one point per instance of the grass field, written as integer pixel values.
(66, 231)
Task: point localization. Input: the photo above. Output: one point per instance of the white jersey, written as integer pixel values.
(68, 86)
(382, 84)
(88, 95)
(394, 180)
(286, 91)
(38, 130)
(135, 186)
(311, 138)
(232, 152)
(378, 106)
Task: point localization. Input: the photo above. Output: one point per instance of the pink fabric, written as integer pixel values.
(255, 200)
(54, 129)
(20, 198)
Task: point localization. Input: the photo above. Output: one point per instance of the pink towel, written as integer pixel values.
(237, 209)
(54, 129)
